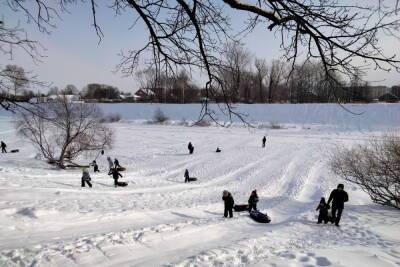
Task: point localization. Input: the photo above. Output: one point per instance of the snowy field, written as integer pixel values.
(47, 219)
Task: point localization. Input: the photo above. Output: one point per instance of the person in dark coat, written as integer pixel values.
(3, 147)
(116, 163)
(187, 176)
(95, 166)
(253, 199)
(86, 178)
(115, 174)
(191, 148)
(263, 141)
(323, 211)
(102, 151)
(218, 150)
(338, 197)
(228, 203)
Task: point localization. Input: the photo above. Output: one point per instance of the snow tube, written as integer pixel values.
(123, 184)
(192, 179)
(120, 169)
(260, 217)
(243, 207)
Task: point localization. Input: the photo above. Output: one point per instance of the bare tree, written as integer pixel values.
(190, 33)
(63, 130)
(261, 72)
(375, 167)
(17, 77)
(275, 76)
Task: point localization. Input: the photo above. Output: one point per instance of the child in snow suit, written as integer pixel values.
(263, 141)
(86, 178)
(115, 174)
(228, 203)
(186, 176)
(323, 211)
(95, 166)
(191, 148)
(253, 199)
(3, 147)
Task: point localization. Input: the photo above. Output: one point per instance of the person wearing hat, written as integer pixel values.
(253, 199)
(86, 178)
(228, 203)
(338, 197)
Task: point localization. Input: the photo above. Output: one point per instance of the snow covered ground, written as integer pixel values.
(47, 219)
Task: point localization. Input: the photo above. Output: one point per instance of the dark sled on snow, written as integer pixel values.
(239, 208)
(14, 151)
(260, 217)
(122, 184)
(120, 169)
(192, 179)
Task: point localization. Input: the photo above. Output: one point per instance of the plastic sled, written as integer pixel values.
(122, 184)
(14, 151)
(243, 207)
(192, 179)
(120, 169)
(260, 217)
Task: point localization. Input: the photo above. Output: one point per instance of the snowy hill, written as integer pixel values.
(47, 219)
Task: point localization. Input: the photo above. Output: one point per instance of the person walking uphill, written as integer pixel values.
(191, 148)
(115, 174)
(323, 211)
(86, 178)
(3, 147)
(263, 141)
(338, 197)
(253, 199)
(228, 203)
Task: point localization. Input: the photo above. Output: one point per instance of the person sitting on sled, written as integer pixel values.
(323, 208)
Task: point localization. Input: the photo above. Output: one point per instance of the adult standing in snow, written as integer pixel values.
(263, 141)
(186, 176)
(191, 148)
(253, 199)
(115, 174)
(338, 197)
(86, 178)
(110, 163)
(228, 203)
(116, 163)
(3, 147)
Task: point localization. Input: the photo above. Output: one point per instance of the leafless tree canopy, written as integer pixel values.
(191, 34)
(68, 130)
(375, 167)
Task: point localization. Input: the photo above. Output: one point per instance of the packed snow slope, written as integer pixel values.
(47, 219)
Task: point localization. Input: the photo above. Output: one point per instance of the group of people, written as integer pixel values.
(338, 197)
(114, 171)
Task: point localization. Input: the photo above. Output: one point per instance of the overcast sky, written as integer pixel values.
(73, 55)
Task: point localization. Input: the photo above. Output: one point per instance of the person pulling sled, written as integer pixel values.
(3, 147)
(253, 199)
(95, 166)
(115, 174)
